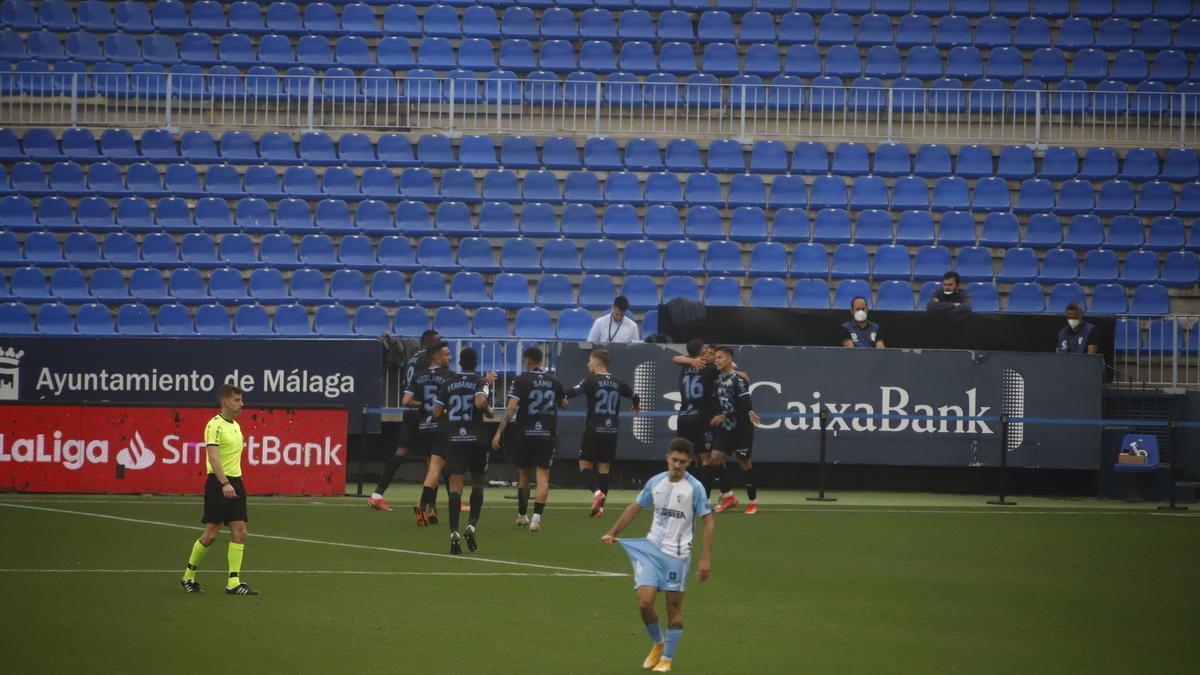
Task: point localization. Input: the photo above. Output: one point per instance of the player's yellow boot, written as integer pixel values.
(664, 665)
(655, 655)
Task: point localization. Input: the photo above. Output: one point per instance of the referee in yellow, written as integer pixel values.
(224, 493)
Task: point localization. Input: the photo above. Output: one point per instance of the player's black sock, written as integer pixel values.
(538, 507)
(751, 486)
(604, 481)
(455, 510)
(522, 501)
(476, 505)
(721, 478)
(707, 476)
(428, 497)
(389, 472)
(589, 479)
(433, 494)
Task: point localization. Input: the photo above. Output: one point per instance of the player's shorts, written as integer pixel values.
(219, 509)
(409, 434)
(467, 457)
(431, 443)
(536, 451)
(652, 567)
(739, 442)
(598, 448)
(697, 429)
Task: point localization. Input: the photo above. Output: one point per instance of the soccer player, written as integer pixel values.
(421, 394)
(599, 446)
(533, 399)
(734, 433)
(661, 559)
(697, 397)
(463, 398)
(407, 436)
(224, 494)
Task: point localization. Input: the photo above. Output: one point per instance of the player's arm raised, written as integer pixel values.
(688, 361)
(626, 518)
(704, 567)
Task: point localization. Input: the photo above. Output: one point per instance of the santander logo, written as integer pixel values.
(137, 456)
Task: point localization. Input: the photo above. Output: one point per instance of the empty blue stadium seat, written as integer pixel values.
(1084, 232)
(985, 297)
(930, 263)
(810, 294)
(1027, 298)
(1099, 266)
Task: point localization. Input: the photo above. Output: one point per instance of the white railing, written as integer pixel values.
(1158, 352)
(550, 106)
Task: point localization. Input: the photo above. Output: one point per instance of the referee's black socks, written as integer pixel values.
(455, 510)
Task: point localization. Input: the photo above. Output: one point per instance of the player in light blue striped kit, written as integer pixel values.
(661, 558)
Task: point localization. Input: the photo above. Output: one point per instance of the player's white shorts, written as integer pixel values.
(652, 567)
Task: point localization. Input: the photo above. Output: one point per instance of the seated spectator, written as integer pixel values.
(952, 298)
(860, 333)
(1078, 336)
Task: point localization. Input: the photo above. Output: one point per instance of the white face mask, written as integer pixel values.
(860, 316)
(1073, 323)
(946, 292)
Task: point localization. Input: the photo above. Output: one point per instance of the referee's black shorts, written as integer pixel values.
(219, 509)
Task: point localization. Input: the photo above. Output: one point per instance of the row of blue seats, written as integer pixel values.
(600, 153)
(924, 62)
(360, 17)
(292, 320)
(595, 54)
(602, 256)
(554, 291)
(747, 224)
(949, 193)
(446, 20)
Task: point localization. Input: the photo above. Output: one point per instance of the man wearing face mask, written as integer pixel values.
(952, 298)
(1078, 336)
(860, 333)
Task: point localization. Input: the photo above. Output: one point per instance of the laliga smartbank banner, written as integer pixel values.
(161, 450)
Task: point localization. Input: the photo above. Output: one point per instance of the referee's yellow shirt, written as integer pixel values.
(228, 437)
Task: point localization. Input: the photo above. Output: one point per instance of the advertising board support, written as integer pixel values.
(1001, 501)
(1173, 467)
(823, 419)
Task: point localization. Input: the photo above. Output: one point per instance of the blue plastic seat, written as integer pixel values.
(1149, 299)
(1099, 266)
(723, 291)
(810, 294)
(1141, 267)
(892, 262)
(850, 261)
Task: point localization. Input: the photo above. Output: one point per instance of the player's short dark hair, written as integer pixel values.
(601, 355)
(436, 347)
(227, 390)
(857, 298)
(952, 275)
(468, 359)
(622, 303)
(695, 347)
(725, 348)
(1074, 307)
(533, 354)
(683, 445)
(428, 337)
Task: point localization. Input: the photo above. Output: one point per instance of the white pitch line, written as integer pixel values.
(346, 572)
(302, 540)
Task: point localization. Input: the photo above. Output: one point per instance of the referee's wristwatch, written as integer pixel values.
(225, 484)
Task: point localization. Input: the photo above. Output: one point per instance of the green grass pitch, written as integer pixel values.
(876, 583)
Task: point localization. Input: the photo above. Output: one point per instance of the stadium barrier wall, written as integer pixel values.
(538, 106)
(107, 449)
(325, 373)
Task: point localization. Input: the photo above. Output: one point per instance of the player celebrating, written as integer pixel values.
(535, 394)
(734, 433)
(224, 493)
(697, 399)
(464, 400)
(598, 448)
(661, 559)
(421, 393)
(408, 426)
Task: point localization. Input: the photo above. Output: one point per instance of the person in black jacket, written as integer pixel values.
(952, 298)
